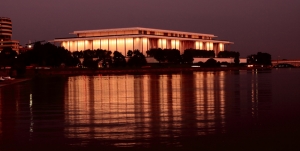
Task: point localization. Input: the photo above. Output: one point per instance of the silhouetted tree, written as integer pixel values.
(7, 56)
(211, 63)
(119, 59)
(228, 54)
(48, 55)
(172, 55)
(260, 58)
(138, 59)
(129, 53)
(187, 57)
(200, 53)
(158, 54)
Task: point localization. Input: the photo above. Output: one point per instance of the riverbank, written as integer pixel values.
(14, 81)
(85, 71)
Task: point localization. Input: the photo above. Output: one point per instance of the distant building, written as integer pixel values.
(143, 39)
(6, 35)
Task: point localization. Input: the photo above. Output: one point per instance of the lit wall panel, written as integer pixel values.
(169, 45)
(112, 44)
(145, 42)
(88, 45)
(104, 44)
(162, 43)
(221, 47)
(121, 46)
(80, 45)
(73, 46)
(211, 46)
(199, 45)
(137, 44)
(129, 44)
(96, 44)
(65, 44)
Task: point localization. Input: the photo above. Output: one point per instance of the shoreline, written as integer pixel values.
(85, 71)
(31, 73)
(14, 81)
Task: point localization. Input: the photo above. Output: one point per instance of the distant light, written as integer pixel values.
(29, 46)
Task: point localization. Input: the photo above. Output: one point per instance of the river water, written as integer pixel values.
(236, 110)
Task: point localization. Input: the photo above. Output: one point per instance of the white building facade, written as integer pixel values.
(143, 39)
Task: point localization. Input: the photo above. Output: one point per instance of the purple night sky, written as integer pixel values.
(271, 26)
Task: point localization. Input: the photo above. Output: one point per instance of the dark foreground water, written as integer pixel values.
(232, 110)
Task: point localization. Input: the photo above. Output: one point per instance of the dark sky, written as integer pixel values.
(271, 26)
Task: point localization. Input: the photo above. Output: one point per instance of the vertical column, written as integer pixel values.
(125, 47)
(100, 44)
(142, 41)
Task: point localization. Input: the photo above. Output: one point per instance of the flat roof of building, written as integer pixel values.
(140, 28)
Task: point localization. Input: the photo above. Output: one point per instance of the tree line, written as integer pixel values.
(55, 56)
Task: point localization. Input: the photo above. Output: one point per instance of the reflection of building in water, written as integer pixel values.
(210, 101)
(144, 107)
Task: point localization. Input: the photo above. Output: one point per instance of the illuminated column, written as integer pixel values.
(221, 47)
(201, 45)
(125, 46)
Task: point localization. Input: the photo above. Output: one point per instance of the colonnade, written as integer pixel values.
(143, 44)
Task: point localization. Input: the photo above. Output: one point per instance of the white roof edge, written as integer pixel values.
(137, 28)
(89, 38)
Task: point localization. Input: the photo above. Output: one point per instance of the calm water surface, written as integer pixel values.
(209, 110)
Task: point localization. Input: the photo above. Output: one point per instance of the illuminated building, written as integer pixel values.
(6, 35)
(143, 39)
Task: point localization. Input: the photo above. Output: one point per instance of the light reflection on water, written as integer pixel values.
(141, 110)
(145, 107)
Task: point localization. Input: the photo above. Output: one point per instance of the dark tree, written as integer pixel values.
(138, 59)
(200, 53)
(211, 63)
(260, 59)
(158, 54)
(172, 55)
(48, 55)
(228, 54)
(129, 53)
(119, 59)
(187, 57)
